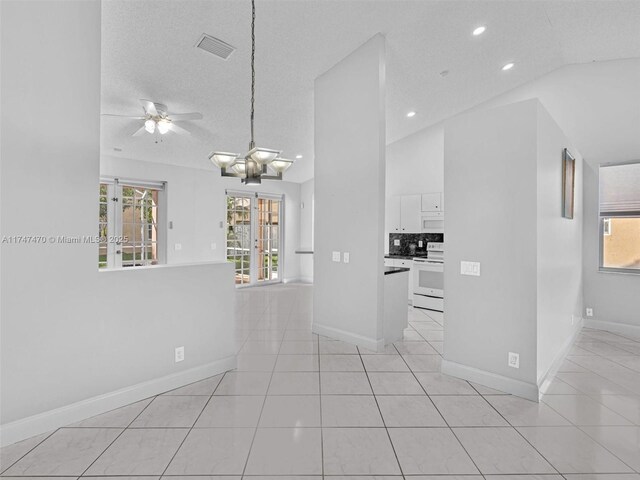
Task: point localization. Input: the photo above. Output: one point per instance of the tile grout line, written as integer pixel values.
(264, 401)
(384, 423)
(521, 435)
(320, 400)
(28, 451)
(441, 415)
(192, 426)
(117, 437)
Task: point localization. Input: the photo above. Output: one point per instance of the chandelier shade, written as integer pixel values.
(280, 165)
(263, 156)
(223, 159)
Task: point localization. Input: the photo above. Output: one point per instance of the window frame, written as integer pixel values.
(115, 226)
(603, 216)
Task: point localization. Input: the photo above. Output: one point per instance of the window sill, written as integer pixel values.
(162, 266)
(619, 271)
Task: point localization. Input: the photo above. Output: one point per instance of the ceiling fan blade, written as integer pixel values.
(138, 132)
(178, 117)
(149, 107)
(135, 117)
(179, 130)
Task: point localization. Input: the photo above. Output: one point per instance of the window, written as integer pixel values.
(129, 216)
(620, 218)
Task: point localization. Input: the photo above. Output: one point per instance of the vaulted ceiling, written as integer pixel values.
(148, 53)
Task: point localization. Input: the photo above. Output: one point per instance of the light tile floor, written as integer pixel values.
(301, 406)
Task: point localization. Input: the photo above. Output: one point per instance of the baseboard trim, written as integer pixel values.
(338, 334)
(543, 380)
(59, 417)
(491, 380)
(614, 327)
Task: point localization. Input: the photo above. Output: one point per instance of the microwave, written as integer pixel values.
(432, 222)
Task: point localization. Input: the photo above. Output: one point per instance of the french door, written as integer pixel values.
(254, 237)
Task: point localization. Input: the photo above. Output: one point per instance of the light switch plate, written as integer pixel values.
(213, 246)
(396, 243)
(589, 312)
(345, 257)
(470, 268)
(514, 360)
(336, 256)
(178, 246)
(179, 354)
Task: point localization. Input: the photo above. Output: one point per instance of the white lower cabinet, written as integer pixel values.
(405, 263)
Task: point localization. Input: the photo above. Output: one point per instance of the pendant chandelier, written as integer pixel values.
(254, 166)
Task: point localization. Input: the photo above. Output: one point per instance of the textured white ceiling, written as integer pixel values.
(148, 52)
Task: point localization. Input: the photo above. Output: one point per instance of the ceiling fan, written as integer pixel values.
(157, 117)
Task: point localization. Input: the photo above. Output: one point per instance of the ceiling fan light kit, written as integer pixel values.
(157, 118)
(254, 166)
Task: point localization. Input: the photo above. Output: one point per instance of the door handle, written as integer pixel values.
(118, 252)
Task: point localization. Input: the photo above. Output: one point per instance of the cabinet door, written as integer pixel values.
(432, 202)
(392, 218)
(410, 213)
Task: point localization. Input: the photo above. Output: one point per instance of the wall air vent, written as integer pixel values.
(215, 46)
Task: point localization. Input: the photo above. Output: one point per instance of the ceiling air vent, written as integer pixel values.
(215, 46)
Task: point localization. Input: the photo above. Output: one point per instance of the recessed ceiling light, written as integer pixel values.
(298, 157)
(508, 66)
(411, 114)
(479, 31)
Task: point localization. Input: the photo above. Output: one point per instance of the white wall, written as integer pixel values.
(196, 205)
(349, 196)
(415, 163)
(503, 189)
(306, 230)
(490, 195)
(597, 106)
(75, 341)
(559, 249)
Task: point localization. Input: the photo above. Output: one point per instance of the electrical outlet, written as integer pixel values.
(178, 246)
(179, 354)
(345, 257)
(420, 243)
(470, 268)
(514, 360)
(589, 312)
(336, 256)
(396, 243)
(213, 246)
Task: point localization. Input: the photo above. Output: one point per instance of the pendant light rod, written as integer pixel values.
(252, 144)
(253, 167)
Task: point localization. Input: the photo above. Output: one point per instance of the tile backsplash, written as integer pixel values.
(409, 243)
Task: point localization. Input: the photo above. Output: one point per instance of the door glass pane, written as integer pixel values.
(102, 226)
(239, 237)
(139, 226)
(268, 239)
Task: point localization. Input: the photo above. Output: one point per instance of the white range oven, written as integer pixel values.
(428, 278)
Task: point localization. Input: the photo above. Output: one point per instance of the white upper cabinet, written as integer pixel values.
(392, 218)
(410, 213)
(432, 202)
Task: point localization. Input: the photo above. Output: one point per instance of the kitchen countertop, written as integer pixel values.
(390, 270)
(406, 257)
